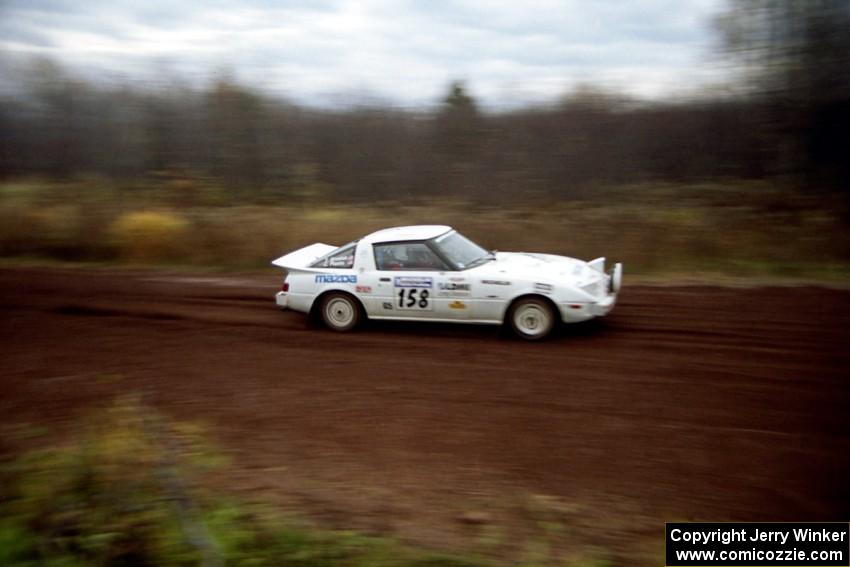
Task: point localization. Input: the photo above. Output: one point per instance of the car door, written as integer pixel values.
(411, 281)
(453, 292)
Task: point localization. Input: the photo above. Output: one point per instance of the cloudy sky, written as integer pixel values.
(403, 51)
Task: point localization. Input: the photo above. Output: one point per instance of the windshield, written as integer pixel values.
(461, 251)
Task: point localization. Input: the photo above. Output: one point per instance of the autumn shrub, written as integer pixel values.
(105, 497)
(150, 236)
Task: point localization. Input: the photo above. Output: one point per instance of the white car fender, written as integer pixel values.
(575, 294)
(528, 288)
(347, 290)
(306, 287)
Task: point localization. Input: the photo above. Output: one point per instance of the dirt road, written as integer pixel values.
(688, 403)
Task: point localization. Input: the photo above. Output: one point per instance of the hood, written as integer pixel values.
(546, 268)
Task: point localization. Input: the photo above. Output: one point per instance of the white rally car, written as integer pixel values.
(433, 273)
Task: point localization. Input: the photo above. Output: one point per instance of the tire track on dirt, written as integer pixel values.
(691, 402)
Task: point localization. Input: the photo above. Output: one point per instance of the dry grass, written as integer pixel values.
(724, 229)
(150, 236)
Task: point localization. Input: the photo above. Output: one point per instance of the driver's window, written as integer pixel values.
(407, 256)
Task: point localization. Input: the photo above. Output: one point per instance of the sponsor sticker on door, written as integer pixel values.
(414, 281)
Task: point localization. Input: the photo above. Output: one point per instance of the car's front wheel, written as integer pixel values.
(340, 312)
(531, 318)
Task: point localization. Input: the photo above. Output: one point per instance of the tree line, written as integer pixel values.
(786, 115)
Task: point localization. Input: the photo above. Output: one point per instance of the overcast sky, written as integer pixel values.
(509, 52)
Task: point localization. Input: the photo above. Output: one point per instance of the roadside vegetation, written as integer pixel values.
(126, 487)
(707, 229)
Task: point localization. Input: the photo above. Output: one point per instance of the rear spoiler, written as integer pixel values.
(300, 260)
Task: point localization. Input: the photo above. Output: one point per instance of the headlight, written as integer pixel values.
(616, 278)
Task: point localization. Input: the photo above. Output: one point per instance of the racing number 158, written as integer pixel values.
(412, 301)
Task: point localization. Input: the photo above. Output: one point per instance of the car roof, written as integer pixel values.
(416, 232)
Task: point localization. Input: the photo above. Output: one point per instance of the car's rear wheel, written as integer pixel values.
(531, 318)
(340, 312)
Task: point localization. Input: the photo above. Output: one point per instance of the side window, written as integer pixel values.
(407, 256)
(343, 258)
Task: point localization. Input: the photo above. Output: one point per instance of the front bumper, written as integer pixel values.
(282, 299)
(574, 312)
(603, 306)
